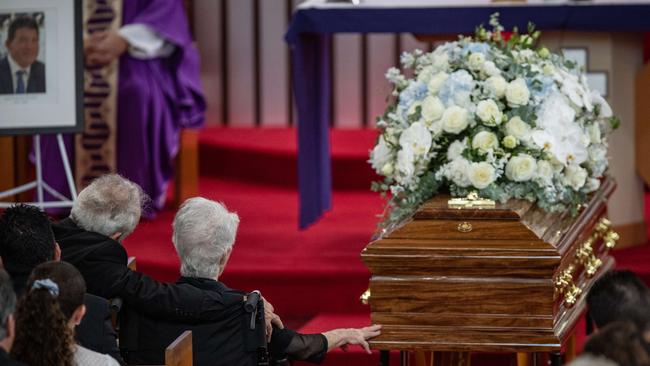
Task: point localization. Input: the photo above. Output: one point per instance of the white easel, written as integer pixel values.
(39, 183)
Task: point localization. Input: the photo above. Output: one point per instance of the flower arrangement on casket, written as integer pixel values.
(500, 117)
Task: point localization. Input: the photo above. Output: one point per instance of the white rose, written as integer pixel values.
(454, 120)
(575, 176)
(496, 85)
(490, 68)
(518, 128)
(544, 172)
(456, 149)
(436, 81)
(481, 174)
(521, 168)
(380, 155)
(517, 93)
(476, 61)
(417, 137)
(387, 169)
(548, 69)
(510, 142)
(488, 112)
(485, 141)
(432, 109)
(440, 61)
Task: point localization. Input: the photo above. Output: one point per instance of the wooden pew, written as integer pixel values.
(179, 352)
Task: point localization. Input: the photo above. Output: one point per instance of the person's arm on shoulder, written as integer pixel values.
(108, 276)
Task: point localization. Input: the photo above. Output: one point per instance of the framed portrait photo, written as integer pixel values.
(41, 67)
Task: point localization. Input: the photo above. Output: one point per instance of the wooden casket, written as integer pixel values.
(512, 278)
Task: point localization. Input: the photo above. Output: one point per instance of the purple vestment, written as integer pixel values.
(156, 98)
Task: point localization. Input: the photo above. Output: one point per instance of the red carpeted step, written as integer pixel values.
(300, 272)
(269, 156)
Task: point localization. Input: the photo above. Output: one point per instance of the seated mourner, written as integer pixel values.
(104, 213)
(204, 234)
(619, 296)
(7, 320)
(622, 342)
(47, 313)
(26, 240)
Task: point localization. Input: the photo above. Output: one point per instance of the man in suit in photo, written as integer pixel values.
(20, 72)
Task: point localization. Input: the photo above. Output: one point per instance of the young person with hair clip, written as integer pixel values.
(47, 315)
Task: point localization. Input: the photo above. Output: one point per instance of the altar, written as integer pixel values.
(605, 34)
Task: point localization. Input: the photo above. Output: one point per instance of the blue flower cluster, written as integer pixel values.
(457, 88)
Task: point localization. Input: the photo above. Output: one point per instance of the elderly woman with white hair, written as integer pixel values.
(204, 235)
(103, 215)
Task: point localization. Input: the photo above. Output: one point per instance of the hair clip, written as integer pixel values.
(46, 284)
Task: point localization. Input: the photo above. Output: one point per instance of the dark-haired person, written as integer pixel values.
(20, 72)
(620, 341)
(46, 317)
(27, 240)
(204, 235)
(7, 320)
(619, 296)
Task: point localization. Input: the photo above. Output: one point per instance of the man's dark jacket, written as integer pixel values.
(96, 329)
(35, 84)
(103, 263)
(226, 341)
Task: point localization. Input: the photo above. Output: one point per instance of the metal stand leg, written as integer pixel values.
(384, 358)
(40, 185)
(555, 359)
(66, 167)
(39, 171)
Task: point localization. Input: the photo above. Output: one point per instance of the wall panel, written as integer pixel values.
(241, 84)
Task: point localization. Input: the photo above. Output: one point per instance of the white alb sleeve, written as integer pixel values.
(144, 42)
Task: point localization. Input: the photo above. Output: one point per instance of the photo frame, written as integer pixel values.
(41, 67)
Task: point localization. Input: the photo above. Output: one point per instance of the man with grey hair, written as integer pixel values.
(90, 239)
(204, 235)
(7, 321)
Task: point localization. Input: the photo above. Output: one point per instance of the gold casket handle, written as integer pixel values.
(365, 297)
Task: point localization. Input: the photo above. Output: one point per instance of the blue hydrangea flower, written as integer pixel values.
(547, 86)
(416, 91)
(457, 88)
(474, 47)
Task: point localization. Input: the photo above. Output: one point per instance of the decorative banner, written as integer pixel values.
(95, 147)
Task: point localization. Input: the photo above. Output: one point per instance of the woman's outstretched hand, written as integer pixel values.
(346, 336)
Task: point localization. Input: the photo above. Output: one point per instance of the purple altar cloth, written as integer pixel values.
(156, 98)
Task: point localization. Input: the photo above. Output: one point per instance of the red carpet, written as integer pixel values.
(313, 277)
